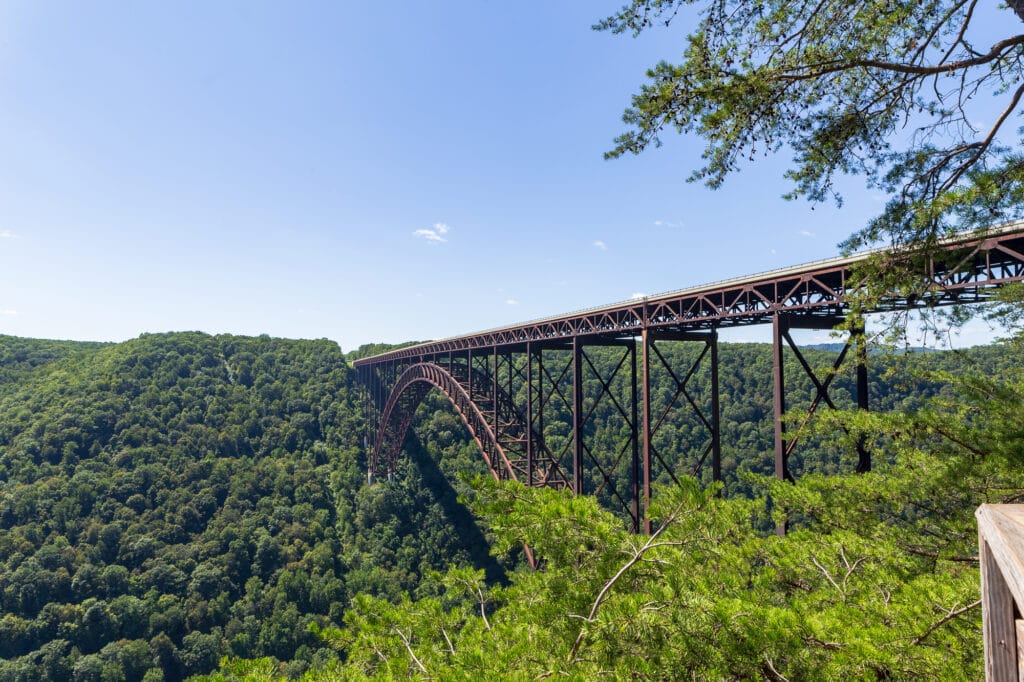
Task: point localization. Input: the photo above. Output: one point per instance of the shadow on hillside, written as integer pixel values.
(473, 540)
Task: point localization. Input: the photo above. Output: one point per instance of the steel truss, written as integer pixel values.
(655, 414)
(529, 393)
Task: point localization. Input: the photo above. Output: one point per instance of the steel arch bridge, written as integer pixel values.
(512, 385)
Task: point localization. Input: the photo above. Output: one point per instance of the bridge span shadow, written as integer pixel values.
(473, 540)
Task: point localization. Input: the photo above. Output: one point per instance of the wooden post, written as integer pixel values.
(1001, 553)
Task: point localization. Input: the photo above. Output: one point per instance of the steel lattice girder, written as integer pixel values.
(482, 374)
(978, 266)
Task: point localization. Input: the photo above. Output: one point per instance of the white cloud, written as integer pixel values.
(807, 233)
(511, 301)
(7, 234)
(638, 296)
(668, 223)
(433, 234)
(8, 312)
(600, 245)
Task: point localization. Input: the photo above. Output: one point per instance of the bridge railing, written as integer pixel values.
(1001, 550)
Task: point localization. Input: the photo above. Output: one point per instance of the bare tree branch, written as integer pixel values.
(826, 68)
(638, 554)
(405, 641)
(945, 619)
(984, 144)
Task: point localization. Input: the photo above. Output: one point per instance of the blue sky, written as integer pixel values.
(357, 171)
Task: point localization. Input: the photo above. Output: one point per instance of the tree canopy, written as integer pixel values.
(921, 98)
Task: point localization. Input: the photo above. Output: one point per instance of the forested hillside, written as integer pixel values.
(180, 498)
(876, 579)
(177, 498)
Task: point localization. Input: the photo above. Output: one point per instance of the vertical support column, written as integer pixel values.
(779, 398)
(469, 372)
(863, 454)
(716, 412)
(377, 385)
(364, 380)
(509, 393)
(529, 414)
(636, 441)
(577, 416)
(779, 403)
(494, 394)
(541, 400)
(645, 342)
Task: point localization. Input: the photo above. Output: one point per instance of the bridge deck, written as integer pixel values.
(514, 386)
(980, 263)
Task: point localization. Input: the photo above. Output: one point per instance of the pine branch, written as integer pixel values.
(638, 554)
(826, 68)
(945, 619)
(1017, 6)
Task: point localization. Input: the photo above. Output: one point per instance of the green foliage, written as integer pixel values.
(178, 498)
(850, 593)
(900, 382)
(18, 357)
(876, 579)
(182, 499)
(838, 83)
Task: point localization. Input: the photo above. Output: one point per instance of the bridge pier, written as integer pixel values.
(781, 337)
(577, 416)
(711, 422)
(553, 377)
(521, 442)
(611, 465)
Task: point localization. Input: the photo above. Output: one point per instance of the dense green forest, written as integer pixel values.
(178, 499)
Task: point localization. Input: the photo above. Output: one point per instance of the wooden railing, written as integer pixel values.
(1001, 550)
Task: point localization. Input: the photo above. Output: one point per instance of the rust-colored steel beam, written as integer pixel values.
(483, 374)
(863, 454)
(716, 413)
(655, 414)
(779, 397)
(607, 465)
(529, 416)
(577, 416)
(821, 289)
(409, 390)
(636, 512)
(645, 342)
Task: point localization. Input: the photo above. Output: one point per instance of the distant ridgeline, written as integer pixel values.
(181, 497)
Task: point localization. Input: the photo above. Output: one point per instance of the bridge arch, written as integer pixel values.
(409, 391)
